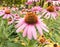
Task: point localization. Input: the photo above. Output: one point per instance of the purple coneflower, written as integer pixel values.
(37, 9)
(57, 8)
(28, 3)
(50, 12)
(33, 0)
(54, 2)
(16, 17)
(5, 13)
(14, 8)
(29, 24)
(10, 20)
(23, 12)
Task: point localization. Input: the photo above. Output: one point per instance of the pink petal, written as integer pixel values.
(44, 28)
(40, 22)
(25, 31)
(29, 1)
(9, 15)
(16, 17)
(34, 32)
(5, 16)
(46, 15)
(21, 21)
(1, 12)
(53, 15)
(43, 13)
(21, 27)
(29, 32)
(39, 29)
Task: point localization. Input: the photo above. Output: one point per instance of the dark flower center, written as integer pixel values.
(55, 45)
(42, 40)
(16, 15)
(50, 9)
(7, 11)
(31, 18)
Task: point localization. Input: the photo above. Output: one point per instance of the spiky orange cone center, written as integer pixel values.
(7, 11)
(50, 8)
(31, 18)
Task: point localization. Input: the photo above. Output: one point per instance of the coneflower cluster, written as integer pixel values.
(32, 22)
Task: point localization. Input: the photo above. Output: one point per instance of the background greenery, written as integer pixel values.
(9, 37)
(10, 2)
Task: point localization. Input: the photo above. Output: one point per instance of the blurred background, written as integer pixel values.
(11, 2)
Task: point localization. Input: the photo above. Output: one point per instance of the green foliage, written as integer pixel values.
(9, 37)
(11, 2)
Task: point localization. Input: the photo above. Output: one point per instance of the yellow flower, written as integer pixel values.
(52, 45)
(49, 45)
(16, 39)
(23, 43)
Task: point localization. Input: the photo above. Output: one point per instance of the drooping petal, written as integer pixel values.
(34, 32)
(44, 28)
(29, 32)
(20, 22)
(8, 16)
(25, 31)
(56, 14)
(43, 12)
(47, 15)
(5, 16)
(39, 29)
(53, 15)
(40, 22)
(1, 12)
(21, 27)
